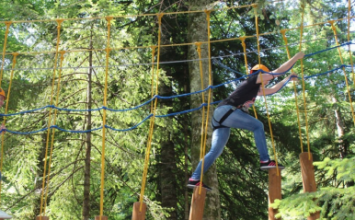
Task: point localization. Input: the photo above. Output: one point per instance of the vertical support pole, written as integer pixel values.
(274, 191)
(101, 217)
(137, 213)
(308, 179)
(197, 203)
(42, 218)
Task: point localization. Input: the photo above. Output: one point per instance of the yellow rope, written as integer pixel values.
(246, 67)
(152, 83)
(108, 49)
(152, 119)
(208, 12)
(350, 53)
(342, 62)
(8, 24)
(53, 129)
(6, 108)
(304, 86)
(295, 92)
(168, 45)
(203, 141)
(59, 21)
(263, 89)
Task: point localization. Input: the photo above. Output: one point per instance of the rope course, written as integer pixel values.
(153, 101)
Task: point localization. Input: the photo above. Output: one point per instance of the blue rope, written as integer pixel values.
(131, 128)
(181, 95)
(330, 48)
(164, 97)
(78, 110)
(163, 116)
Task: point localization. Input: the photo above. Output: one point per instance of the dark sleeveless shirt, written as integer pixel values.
(244, 95)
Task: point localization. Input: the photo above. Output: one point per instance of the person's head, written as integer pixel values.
(2, 97)
(258, 67)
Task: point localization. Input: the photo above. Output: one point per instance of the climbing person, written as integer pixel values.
(232, 112)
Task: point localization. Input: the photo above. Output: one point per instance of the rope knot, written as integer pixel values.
(160, 15)
(8, 23)
(59, 21)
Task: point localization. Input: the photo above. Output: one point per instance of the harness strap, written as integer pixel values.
(225, 116)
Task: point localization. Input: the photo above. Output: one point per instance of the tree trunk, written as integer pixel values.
(86, 202)
(197, 29)
(168, 166)
(340, 130)
(38, 182)
(168, 162)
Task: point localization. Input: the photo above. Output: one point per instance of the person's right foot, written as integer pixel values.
(196, 183)
(270, 164)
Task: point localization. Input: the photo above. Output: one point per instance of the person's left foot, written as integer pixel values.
(270, 164)
(196, 183)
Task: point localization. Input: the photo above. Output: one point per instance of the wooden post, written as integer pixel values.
(137, 213)
(308, 179)
(101, 217)
(274, 191)
(42, 218)
(197, 204)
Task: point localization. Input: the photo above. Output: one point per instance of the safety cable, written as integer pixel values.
(172, 45)
(190, 60)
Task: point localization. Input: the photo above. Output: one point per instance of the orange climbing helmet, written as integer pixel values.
(258, 67)
(2, 92)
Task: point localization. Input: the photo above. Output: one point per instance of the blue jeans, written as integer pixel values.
(220, 136)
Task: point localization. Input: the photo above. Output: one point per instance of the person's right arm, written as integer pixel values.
(287, 65)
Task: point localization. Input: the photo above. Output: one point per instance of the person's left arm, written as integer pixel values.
(278, 86)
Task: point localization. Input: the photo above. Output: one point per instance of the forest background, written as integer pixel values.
(240, 188)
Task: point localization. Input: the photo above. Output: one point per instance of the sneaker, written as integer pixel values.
(193, 184)
(270, 164)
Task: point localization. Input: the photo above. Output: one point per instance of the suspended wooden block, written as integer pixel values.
(308, 179)
(3, 215)
(138, 213)
(42, 218)
(197, 204)
(101, 217)
(274, 191)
